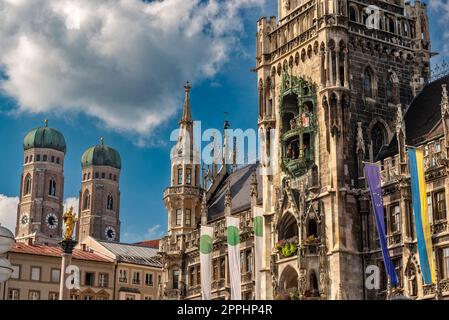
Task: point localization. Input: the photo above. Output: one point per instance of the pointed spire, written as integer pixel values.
(186, 113)
(228, 195)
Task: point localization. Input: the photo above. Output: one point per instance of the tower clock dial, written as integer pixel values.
(52, 221)
(110, 233)
(24, 219)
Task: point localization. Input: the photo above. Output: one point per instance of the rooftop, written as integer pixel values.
(132, 253)
(41, 250)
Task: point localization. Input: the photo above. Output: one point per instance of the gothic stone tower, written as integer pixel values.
(40, 209)
(323, 72)
(183, 197)
(183, 201)
(99, 208)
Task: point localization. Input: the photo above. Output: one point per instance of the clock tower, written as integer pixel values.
(99, 206)
(40, 209)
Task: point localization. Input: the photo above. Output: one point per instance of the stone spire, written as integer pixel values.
(204, 209)
(444, 101)
(228, 198)
(445, 115)
(186, 113)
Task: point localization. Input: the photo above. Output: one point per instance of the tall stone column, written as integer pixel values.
(67, 250)
(346, 67)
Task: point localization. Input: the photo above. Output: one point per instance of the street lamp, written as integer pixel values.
(6, 242)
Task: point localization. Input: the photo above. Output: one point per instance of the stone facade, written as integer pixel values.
(333, 93)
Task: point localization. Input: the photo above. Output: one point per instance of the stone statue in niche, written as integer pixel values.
(287, 5)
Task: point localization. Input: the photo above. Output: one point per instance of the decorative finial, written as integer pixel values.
(187, 86)
(102, 141)
(46, 122)
(186, 113)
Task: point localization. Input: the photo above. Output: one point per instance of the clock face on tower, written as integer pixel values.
(24, 219)
(109, 232)
(52, 221)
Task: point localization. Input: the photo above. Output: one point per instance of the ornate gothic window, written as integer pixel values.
(27, 189)
(110, 203)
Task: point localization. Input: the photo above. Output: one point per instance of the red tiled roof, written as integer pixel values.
(48, 251)
(149, 243)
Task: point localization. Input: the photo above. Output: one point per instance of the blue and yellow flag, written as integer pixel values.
(421, 214)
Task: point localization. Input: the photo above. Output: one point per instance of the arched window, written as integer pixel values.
(288, 227)
(27, 184)
(353, 14)
(378, 138)
(389, 88)
(52, 188)
(86, 200)
(314, 290)
(391, 25)
(368, 83)
(110, 203)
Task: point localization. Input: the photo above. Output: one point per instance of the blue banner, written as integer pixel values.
(372, 174)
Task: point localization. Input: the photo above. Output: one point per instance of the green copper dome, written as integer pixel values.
(45, 137)
(101, 155)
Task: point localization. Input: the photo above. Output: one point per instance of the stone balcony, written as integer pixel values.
(182, 190)
(439, 227)
(393, 239)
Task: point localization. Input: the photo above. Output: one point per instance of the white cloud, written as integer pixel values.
(8, 212)
(154, 232)
(123, 62)
(71, 202)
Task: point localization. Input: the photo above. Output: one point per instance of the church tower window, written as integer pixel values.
(52, 188)
(110, 202)
(27, 185)
(86, 200)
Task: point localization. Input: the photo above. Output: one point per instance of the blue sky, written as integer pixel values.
(221, 81)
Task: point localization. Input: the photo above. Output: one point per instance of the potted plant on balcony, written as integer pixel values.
(287, 248)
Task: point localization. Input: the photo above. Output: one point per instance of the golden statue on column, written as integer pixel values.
(69, 221)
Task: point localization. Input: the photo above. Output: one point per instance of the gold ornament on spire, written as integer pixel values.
(69, 221)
